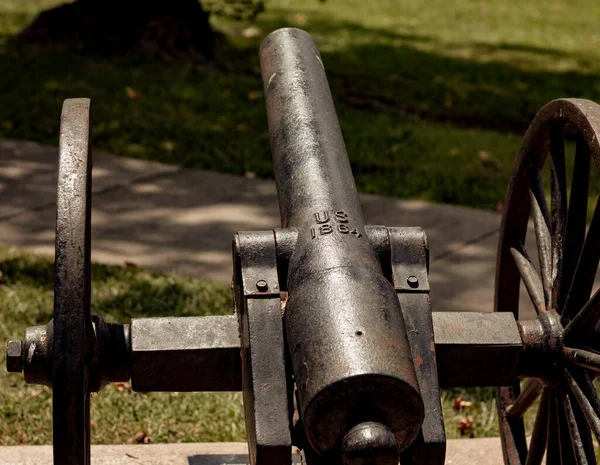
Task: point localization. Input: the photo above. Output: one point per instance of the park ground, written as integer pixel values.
(433, 101)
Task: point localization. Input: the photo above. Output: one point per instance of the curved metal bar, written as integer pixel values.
(539, 212)
(531, 279)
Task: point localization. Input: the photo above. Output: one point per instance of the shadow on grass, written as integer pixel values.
(391, 91)
(119, 293)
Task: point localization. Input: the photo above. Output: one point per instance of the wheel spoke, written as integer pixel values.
(576, 441)
(583, 358)
(576, 217)
(567, 454)
(528, 395)
(585, 321)
(512, 429)
(539, 437)
(559, 206)
(530, 278)
(585, 272)
(539, 212)
(591, 415)
(553, 449)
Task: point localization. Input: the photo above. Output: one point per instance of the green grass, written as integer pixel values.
(26, 293)
(421, 92)
(432, 100)
(120, 293)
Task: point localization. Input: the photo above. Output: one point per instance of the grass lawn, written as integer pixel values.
(118, 415)
(432, 100)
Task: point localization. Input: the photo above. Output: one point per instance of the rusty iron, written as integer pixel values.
(332, 339)
(559, 346)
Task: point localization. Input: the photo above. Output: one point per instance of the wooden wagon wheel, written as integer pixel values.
(73, 330)
(566, 354)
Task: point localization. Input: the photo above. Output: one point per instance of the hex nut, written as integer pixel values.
(14, 356)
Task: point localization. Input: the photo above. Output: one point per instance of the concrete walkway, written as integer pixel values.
(459, 452)
(167, 218)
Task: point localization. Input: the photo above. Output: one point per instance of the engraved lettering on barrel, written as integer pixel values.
(322, 217)
(356, 233)
(325, 229)
(343, 228)
(341, 216)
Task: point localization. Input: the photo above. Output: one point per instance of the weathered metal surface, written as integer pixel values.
(486, 347)
(73, 332)
(267, 394)
(37, 352)
(568, 263)
(350, 355)
(370, 443)
(409, 262)
(185, 354)
(14, 356)
(111, 357)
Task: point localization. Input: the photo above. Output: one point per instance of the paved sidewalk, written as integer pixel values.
(459, 452)
(167, 218)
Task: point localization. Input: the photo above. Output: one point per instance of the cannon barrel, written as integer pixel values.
(344, 327)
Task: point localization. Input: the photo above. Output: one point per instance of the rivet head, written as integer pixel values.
(413, 281)
(262, 285)
(14, 356)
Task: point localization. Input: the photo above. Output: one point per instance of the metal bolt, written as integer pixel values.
(14, 356)
(413, 281)
(262, 285)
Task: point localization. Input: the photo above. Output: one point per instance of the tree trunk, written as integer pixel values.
(167, 28)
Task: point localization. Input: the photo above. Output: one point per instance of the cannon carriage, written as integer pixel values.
(332, 339)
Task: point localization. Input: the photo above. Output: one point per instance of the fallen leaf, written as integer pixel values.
(300, 19)
(488, 160)
(465, 425)
(254, 94)
(456, 405)
(132, 93)
(123, 386)
(141, 438)
(168, 145)
(251, 32)
(460, 404)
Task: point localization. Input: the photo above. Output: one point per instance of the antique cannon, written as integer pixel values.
(332, 339)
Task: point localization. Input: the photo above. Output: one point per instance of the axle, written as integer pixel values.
(188, 354)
